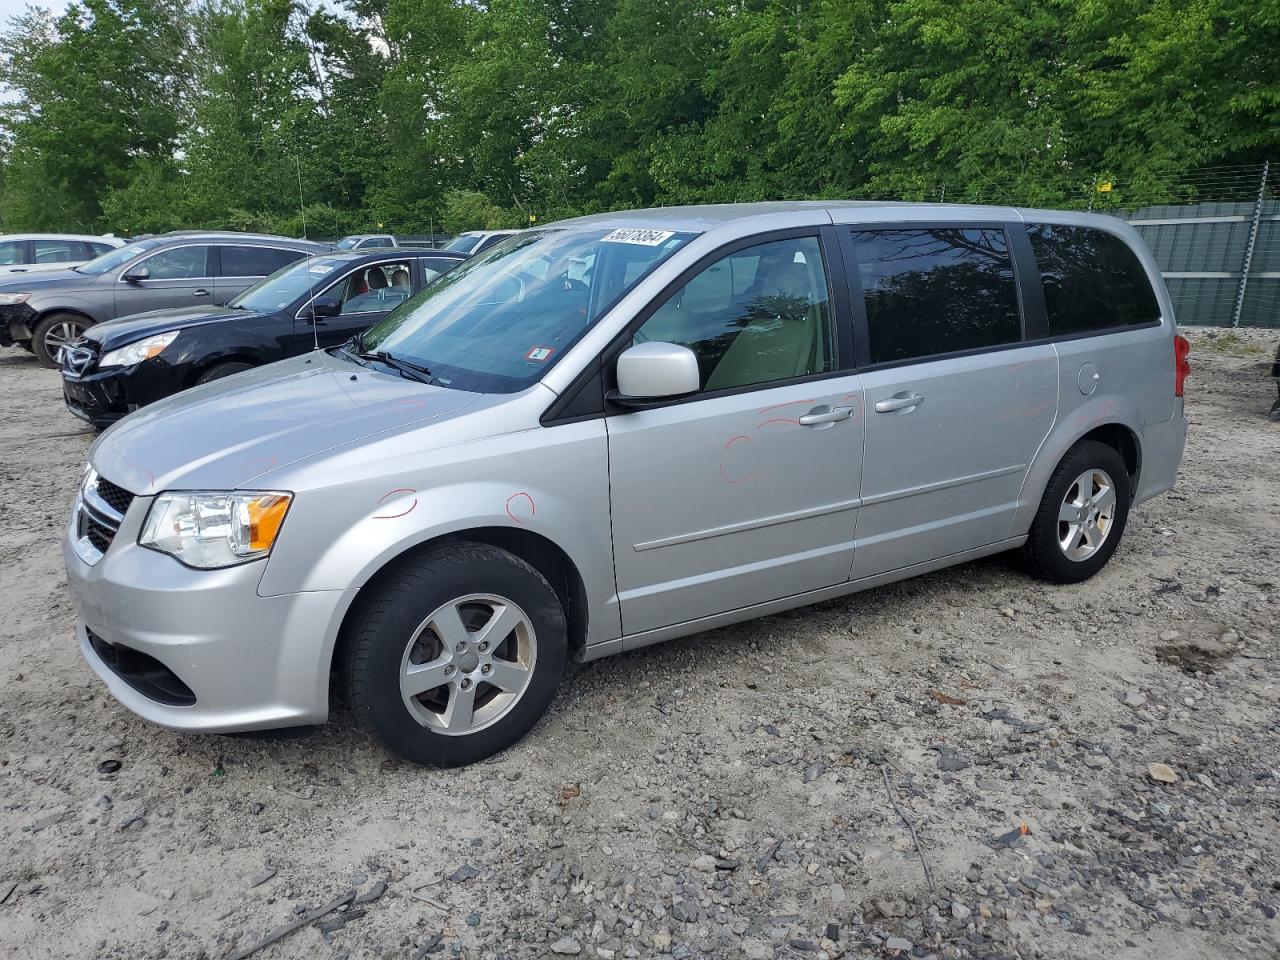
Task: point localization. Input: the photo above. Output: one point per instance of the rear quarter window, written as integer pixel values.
(1092, 280)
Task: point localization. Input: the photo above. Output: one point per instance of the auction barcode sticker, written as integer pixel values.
(647, 238)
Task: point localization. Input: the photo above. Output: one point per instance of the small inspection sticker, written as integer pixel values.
(646, 238)
(320, 268)
(540, 354)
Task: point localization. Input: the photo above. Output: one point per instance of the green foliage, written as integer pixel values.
(145, 115)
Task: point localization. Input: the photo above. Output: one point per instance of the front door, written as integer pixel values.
(956, 406)
(177, 277)
(748, 491)
(365, 295)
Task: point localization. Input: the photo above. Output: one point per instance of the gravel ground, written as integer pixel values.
(747, 792)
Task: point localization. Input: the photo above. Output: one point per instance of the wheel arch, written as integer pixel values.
(1110, 420)
(197, 370)
(541, 553)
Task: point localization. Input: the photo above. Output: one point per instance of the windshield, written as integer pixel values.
(348, 243)
(463, 242)
(288, 284)
(115, 258)
(498, 322)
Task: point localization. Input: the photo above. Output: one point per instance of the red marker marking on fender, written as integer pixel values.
(387, 496)
(408, 403)
(514, 498)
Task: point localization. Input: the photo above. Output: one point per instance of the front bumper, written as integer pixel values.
(16, 323)
(249, 662)
(101, 397)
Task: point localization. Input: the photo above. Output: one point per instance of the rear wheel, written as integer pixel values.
(455, 655)
(220, 370)
(1082, 515)
(54, 332)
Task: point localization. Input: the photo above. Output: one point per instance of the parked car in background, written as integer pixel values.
(364, 241)
(122, 365)
(728, 412)
(37, 252)
(47, 311)
(474, 241)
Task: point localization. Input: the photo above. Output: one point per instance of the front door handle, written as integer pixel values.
(200, 293)
(899, 401)
(821, 415)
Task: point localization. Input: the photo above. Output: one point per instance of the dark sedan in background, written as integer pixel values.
(128, 363)
(46, 311)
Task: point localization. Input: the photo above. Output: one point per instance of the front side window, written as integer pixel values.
(755, 316)
(178, 263)
(936, 291)
(55, 251)
(1092, 280)
(12, 252)
(374, 289)
(499, 321)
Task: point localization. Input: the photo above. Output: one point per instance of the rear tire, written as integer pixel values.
(1082, 515)
(220, 370)
(55, 331)
(455, 655)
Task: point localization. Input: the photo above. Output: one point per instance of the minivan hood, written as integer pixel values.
(126, 330)
(224, 434)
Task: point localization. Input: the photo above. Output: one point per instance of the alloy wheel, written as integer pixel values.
(468, 664)
(1086, 515)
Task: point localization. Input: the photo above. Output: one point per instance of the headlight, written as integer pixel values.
(13, 299)
(137, 352)
(209, 529)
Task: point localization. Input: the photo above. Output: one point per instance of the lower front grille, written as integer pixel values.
(144, 673)
(97, 533)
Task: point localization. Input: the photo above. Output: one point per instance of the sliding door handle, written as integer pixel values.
(899, 401)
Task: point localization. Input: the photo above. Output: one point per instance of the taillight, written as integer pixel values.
(1181, 366)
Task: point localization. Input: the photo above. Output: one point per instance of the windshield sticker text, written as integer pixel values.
(646, 238)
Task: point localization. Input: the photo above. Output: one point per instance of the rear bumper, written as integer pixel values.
(199, 650)
(1162, 447)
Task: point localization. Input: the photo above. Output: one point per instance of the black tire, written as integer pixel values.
(220, 370)
(69, 326)
(1043, 553)
(381, 629)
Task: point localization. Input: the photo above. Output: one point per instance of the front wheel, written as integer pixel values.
(54, 332)
(455, 655)
(220, 370)
(1082, 515)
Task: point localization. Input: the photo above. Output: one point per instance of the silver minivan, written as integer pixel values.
(616, 430)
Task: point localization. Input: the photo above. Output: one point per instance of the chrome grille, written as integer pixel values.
(100, 511)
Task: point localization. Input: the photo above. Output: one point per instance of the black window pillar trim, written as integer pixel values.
(600, 375)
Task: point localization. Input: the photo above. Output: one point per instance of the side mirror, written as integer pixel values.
(325, 307)
(137, 275)
(648, 372)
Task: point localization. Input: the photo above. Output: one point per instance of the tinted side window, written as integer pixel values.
(755, 316)
(255, 261)
(178, 263)
(13, 252)
(98, 249)
(938, 290)
(1092, 280)
(56, 251)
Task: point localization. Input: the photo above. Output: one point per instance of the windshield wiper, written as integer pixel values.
(406, 368)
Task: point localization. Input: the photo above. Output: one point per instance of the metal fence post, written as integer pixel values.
(1248, 248)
